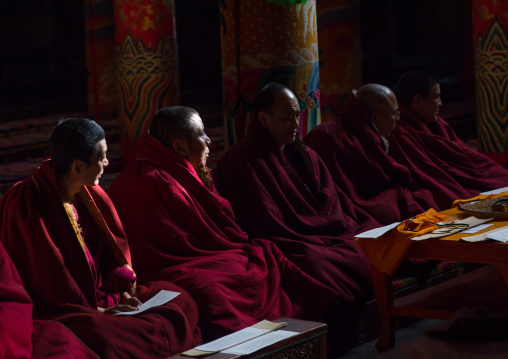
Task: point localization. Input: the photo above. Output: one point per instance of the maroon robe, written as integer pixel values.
(180, 230)
(41, 240)
(290, 198)
(441, 162)
(355, 156)
(20, 336)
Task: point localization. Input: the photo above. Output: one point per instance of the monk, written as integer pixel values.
(66, 240)
(20, 336)
(355, 150)
(282, 191)
(181, 230)
(428, 146)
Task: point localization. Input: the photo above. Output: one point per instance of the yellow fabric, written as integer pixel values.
(387, 252)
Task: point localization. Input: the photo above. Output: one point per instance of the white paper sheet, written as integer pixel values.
(377, 232)
(260, 342)
(476, 229)
(495, 191)
(501, 235)
(232, 339)
(160, 298)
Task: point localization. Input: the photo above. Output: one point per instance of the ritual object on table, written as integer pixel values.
(490, 207)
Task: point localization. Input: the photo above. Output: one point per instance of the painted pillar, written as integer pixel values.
(147, 66)
(268, 41)
(100, 58)
(490, 26)
(340, 53)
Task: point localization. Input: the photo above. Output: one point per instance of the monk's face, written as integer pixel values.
(90, 174)
(428, 108)
(387, 115)
(284, 118)
(196, 148)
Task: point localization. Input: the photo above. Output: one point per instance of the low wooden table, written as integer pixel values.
(309, 344)
(485, 286)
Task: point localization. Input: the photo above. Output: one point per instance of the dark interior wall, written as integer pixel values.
(42, 57)
(43, 69)
(432, 35)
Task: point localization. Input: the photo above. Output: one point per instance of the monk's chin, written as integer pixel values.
(204, 175)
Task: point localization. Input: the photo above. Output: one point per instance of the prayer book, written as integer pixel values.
(245, 341)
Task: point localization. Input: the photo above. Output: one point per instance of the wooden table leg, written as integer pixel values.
(384, 298)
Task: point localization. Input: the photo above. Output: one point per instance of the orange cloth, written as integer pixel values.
(387, 252)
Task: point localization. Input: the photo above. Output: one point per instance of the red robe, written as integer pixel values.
(20, 336)
(180, 230)
(355, 156)
(291, 199)
(441, 162)
(41, 240)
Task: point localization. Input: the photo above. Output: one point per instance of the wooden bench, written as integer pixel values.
(309, 344)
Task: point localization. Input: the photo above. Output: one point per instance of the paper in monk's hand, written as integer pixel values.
(446, 229)
(160, 298)
(234, 339)
(377, 232)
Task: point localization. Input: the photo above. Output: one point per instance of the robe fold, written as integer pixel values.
(441, 162)
(289, 198)
(182, 231)
(355, 156)
(20, 336)
(47, 249)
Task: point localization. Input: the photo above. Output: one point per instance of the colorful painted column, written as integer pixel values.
(268, 41)
(490, 26)
(147, 65)
(100, 58)
(340, 53)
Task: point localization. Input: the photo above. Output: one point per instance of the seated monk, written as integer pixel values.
(427, 145)
(66, 240)
(20, 336)
(180, 229)
(355, 150)
(281, 190)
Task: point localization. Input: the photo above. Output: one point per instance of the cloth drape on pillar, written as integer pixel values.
(490, 25)
(145, 42)
(264, 42)
(100, 58)
(340, 53)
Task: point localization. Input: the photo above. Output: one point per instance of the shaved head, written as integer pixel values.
(381, 105)
(374, 97)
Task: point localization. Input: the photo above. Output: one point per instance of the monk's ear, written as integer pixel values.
(180, 146)
(417, 99)
(77, 167)
(263, 118)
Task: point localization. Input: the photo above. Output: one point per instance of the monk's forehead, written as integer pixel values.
(285, 100)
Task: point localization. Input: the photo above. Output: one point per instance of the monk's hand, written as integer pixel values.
(127, 299)
(127, 304)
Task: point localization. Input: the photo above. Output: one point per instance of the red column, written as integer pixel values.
(340, 53)
(490, 25)
(268, 41)
(100, 58)
(147, 66)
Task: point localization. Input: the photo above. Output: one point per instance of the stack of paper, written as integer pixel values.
(245, 341)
